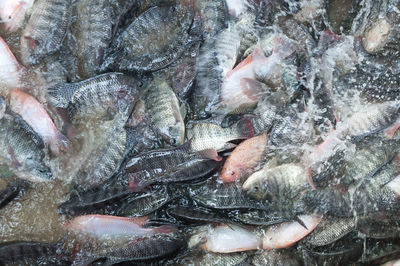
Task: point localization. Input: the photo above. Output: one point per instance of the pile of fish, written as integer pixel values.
(201, 132)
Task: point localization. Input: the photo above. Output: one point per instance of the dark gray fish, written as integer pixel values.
(276, 257)
(13, 252)
(46, 29)
(379, 225)
(164, 112)
(22, 150)
(106, 158)
(224, 196)
(196, 215)
(139, 250)
(170, 165)
(11, 191)
(380, 251)
(214, 259)
(93, 31)
(330, 230)
(97, 96)
(257, 217)
(145, 46)
(145, 203)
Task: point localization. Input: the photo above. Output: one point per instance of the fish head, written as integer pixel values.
(176, 135)
(255, 187)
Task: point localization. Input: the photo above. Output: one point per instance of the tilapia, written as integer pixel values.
(244, 158)
(198, 215)
(208, 135)
(102, 162)
(231, 238)
(288, 233)
(164, 112)
(38, 119)
(145, 46)
(214, 259)
(46, 29)
(170, 165)
(276, 257)
(284, 181)
(10, 69)
(22, 149)
(12, 13)
(96, 97)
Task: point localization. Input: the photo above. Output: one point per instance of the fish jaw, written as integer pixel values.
(288, 233)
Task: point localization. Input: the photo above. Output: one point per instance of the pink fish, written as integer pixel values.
(10, 69)
(107, 226)
(12, 13)
(37, 117)
(288, 233)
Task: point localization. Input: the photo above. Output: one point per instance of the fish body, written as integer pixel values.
(46, 29)
(38, 119)
(231, 238)
(244, 158)
(212, 136)
(22, 150)
(10, 69)
(145, 46)
(164, 111)
(288, 233)
(17, 251)
(97, 96)
(12, 13)
(272, 183)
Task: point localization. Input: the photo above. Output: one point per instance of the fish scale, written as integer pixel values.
(45, 30)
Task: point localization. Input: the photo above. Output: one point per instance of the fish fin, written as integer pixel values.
(61, 95)
(390, 131)
(210, 154)
(297, 219)
(139, 220)
(183, 110)
(253, 89)
(164, 229)
(59, 144)
(186, 146)
(242, 64)
(309, 179)
(245, 128)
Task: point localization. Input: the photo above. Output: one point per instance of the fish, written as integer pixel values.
(244, 158)
(214, 259)
(46, 29)
(257, 217)
(329, 230)
(288, 233)
(225, 197)
(12, 190)
(10, 69)
(12, 13)
(12, 252)
(149, 202)
(177, 164)
(197, 215)
(36, 116)
(214, 14)
(283, 181)
(144, 46)
(105, 159)
(164, 112)
(208, 135)
(226, 238)
(276, 257)
(22, 150)
(108, 93)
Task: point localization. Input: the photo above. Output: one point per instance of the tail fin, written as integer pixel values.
(60, 96)
(245, 128)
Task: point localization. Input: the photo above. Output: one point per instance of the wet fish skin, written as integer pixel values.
(12, 13)
(98, 96)
(46, 29)
(225, 196)
(106, 158)
(16, 251)
(10, 69)
(276, 257)
(170, 165)
(22, 149)
(145, 204)
(214, 14)
(207, 135)
(37, 117)
(258, 217)
(144, 46)
(330, 230)
(195, 215)
(11, 191)
(164, 111)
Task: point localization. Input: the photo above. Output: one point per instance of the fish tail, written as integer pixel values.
(61, 95)
(245, 128)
